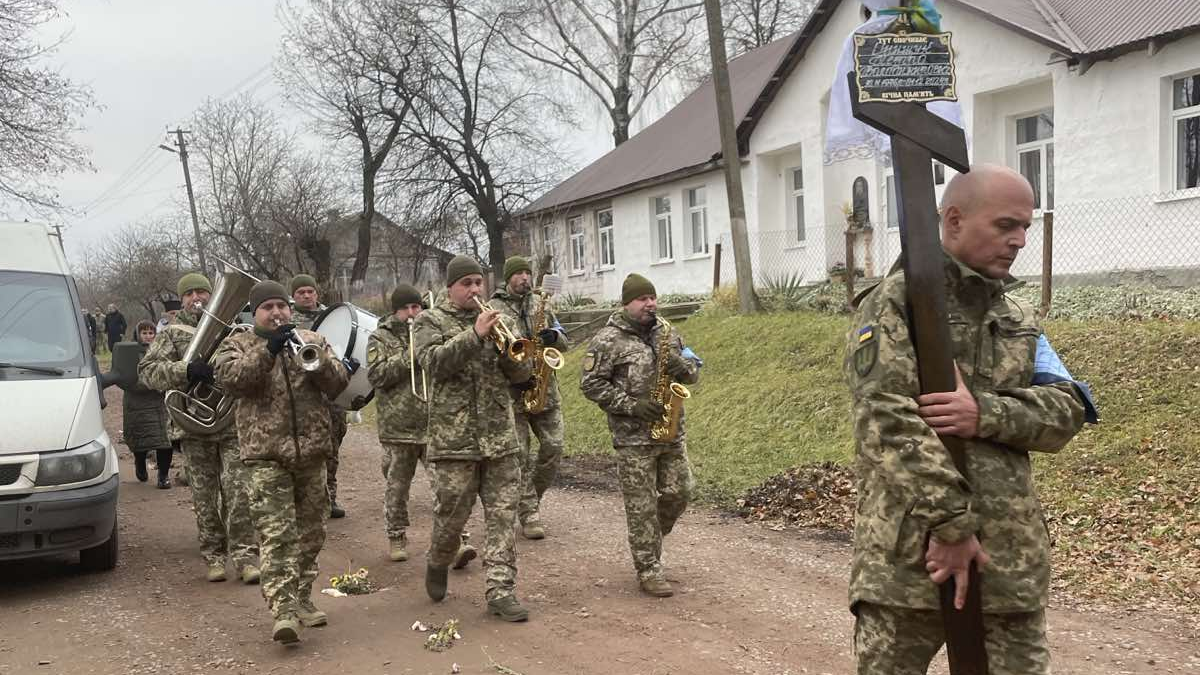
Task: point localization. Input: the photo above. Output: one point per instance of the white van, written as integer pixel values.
(58, 468)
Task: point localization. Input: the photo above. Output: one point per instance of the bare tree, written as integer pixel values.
(243, 151)
(344, 61)
(750, 24)
(39, 109)
(476, 123)
(140, 264)
(620, 51)
(308, 196)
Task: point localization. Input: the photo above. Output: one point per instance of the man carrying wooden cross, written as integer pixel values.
(919, 522)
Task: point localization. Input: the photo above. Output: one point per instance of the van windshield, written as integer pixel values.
(39, 327)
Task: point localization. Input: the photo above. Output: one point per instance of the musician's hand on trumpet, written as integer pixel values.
(486, 322)
(284, 334)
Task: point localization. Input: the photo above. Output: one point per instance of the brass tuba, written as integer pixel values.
(670, 394)
(205, 409)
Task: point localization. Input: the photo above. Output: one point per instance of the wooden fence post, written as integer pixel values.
(716, 266)
(1047, 261)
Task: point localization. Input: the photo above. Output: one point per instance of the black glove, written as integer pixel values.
(279, 340)
(199, 371)
(351, 364)
(548, 337)
(648, 410)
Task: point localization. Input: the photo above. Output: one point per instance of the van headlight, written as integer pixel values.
(72, 466)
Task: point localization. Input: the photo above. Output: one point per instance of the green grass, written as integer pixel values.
(1122, 498)
(770, 397)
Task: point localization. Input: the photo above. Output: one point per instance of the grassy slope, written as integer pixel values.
(1123, 497)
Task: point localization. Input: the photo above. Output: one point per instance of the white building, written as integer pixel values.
(1089, 104)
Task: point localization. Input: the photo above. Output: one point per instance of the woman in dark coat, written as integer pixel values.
(145, 418)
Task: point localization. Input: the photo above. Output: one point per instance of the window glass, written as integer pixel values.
(1187, 153)
(1186, 92)
(1036, 128)
(1031, 167)
(39, 325)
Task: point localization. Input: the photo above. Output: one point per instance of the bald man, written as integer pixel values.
(918, 522)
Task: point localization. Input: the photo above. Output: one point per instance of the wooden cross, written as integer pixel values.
(917, 137)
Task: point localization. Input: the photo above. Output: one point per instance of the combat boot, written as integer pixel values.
(658, 587)
(310, 615)
(435, 582)
(336, 511)
(250, 575)
(466, 553)
(533, 530)
(286, 630)
(216, 571)
(398, 551)
(508, 609)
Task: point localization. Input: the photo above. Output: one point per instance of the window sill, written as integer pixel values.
(576, 273)
(606, 268)
(698, 256)
(664, 261)
(1178, 196)
(796, 247)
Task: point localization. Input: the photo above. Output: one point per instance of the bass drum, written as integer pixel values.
(347, 328)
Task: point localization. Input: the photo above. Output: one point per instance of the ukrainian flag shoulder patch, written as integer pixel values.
(865, 333)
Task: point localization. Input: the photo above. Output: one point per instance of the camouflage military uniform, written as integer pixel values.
(402, 418)
(217, 477)
(538, 468)
(473, 446)
(619, 368)
(908, 488)
(305, 318)
(285, 443)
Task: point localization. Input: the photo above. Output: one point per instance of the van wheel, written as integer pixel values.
(101, 558)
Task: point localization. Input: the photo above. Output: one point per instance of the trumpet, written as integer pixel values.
(517, 349)
(412, 367)
(308, 353)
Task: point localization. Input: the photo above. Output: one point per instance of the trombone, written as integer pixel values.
(412, 367)
(506, 341)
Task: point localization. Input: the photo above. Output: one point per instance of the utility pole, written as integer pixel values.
(747, 299)
(187, 179)
(58, 233)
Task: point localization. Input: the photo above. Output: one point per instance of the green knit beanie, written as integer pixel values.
(634, 287)
(193, 281)
(300, 281)
(459, 267)
(516, 264)
(405, 295)
(264, 291)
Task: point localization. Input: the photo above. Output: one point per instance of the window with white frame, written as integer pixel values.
(1035, 156)
(575, 231)
(889, 199)
(697, 221)
(604, 237)
(664, 246)
(795, 204)
(1185, 127)
(549, 246)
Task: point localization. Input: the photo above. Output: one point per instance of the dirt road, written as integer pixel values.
(752, 601)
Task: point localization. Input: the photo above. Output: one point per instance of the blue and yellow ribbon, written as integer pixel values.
(922, 15)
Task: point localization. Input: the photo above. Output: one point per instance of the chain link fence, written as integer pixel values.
(1143, 240)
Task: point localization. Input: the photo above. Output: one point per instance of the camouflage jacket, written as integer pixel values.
(620, 367)
(305, 318)
(908, 487)
(403, 418)
(163, 368)
(470, 407)
(519, 312)
(282, 411)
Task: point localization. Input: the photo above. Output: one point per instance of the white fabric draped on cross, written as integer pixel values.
(846, 137)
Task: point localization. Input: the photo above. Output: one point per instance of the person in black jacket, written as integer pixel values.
(90, 321)
(114, 325)
(145, 417)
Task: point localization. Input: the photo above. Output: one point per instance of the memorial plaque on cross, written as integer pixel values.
(918, 137)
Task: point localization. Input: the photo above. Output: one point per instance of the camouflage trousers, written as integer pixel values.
(399, 466)
(290, 505)
(497, 483)
(221, 501)
(538, 468)
(656, 485)
(337, 418)
(900, 641)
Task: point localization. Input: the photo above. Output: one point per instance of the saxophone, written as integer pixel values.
(670, 394)
(546, 360)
